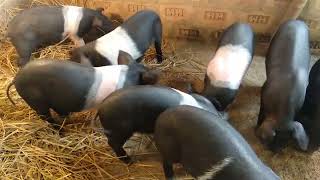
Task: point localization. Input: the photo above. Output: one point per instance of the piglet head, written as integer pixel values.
(146, 76)
(276, 138)
(101, 25)
(102, 22)
(299, 135)
(265, 132)
(292, 130)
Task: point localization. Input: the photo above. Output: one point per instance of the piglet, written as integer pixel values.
(283, 92)
(207, 146)
(309, 115)
(46, 25)
(97, 32)
(66, 86)
(229, 65)
(134, 36)
(135, 109)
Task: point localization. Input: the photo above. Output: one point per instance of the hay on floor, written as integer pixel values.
(31, 149)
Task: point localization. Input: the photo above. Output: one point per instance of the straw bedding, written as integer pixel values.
(31, 149)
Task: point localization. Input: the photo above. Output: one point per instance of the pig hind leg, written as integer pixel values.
(168, 147)
(116, 142)
(38, 103)
(44, 112)
(168, 170)
(158, 40)
(24, 49)
(261, 115)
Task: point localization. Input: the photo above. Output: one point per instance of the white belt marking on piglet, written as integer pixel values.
(107, 79)
(187, 99)
(118, 39)
(228, 66)
(215, 169)
(72, 16)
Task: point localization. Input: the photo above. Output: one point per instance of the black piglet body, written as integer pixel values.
(207, 146)
(134, 37)
(229, 65)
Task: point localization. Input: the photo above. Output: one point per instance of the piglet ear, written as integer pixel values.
(300, 135)
(124, 58)
(150, 77)
(97, 22)
(100, 9)
(265, 132)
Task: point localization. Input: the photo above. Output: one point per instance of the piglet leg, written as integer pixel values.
(77, 40)
(168, 170)
(116, 143)
(37, 102)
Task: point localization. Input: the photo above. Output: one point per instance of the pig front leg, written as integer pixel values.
(116, 142)
(168, 170)
(77, 40)
(47, 117)
(158, 41)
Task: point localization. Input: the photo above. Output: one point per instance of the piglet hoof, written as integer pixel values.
(22, 62)
(127, 160)
(56, 127)
(159, 59)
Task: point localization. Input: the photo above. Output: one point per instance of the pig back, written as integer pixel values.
(204, 140)
(289, 48)
(62, 84)
(38, 23)
(137, 107)
(238, 34)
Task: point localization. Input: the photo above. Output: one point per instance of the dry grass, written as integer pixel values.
(31, 149)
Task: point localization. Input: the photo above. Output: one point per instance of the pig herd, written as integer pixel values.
(189, 128)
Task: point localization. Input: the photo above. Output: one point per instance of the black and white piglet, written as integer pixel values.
(45, 25)
(135, 109)
(229, 65)
(283, 92)
(134, 36)
(66, 86)
(207, 146)
(309, 115)
(97, 32)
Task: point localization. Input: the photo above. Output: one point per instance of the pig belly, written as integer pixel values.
(228, 66)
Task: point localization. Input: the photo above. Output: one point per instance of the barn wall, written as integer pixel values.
(204, 20)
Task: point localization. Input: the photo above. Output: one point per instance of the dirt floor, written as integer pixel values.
(30, 149)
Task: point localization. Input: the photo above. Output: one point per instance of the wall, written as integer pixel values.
(204, 20)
